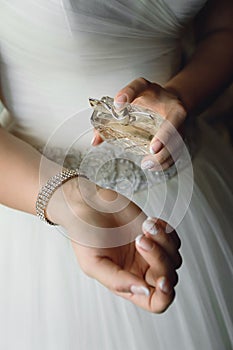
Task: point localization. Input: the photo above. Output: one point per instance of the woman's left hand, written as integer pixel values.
(143, 273)
(167, 143)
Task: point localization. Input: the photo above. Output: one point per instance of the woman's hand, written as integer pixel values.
(166, 145)
(143, 272)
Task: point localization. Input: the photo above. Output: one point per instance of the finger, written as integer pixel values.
(170, 242)
(130, 92)
(134, 289)
(163, 159)
(166, 165)
(157, 259)
(168, 136)
(128, 285)
(162, 156)
(168, 229)
(160, 297)
(162, 233)
(158, 160)
(97, 139)
(152, 164)
(169, 129)
(172, 149)
(118, 280)
(152, 275)
(163, 296)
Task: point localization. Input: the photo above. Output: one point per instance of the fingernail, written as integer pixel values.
(144, 243)
(147, 164)
(140, 290)
(93, 139)
(149, 226)
(169, 229)
(163, 285)
(120, 101)
(155, 147)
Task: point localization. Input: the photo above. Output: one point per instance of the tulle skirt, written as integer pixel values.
(46, 301)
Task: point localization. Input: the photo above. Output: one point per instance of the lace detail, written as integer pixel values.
(109, 167)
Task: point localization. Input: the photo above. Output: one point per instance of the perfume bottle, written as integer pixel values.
(133, 126)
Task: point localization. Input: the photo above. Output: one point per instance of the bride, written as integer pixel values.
(54, 56)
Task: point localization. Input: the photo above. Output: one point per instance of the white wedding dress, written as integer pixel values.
(54, 55)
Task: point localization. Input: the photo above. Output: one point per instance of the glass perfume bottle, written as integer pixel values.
(133, 126)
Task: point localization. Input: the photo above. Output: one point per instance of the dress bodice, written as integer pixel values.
(55, 54)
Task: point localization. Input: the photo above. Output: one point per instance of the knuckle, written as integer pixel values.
(163, 308)
(130, 90)
(115, 287)
(162, 157)
(164, 237)
(175, 240)
(175, 279)
(156, 88)
(177, 107)
(143, 81)
(179, 261)
(181, 111)
(161, 258)
(178, 241)
(165, 133)
(174, 143)
(164, 304)
(167, 164)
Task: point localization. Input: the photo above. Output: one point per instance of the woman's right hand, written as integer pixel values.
(167, 144)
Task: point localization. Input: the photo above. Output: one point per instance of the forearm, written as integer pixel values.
(21, 174)
(210, 70)
(207, 74)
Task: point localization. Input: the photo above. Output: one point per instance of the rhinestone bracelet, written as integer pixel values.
(47, 191)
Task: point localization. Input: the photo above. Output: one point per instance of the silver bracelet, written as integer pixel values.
(47, 191)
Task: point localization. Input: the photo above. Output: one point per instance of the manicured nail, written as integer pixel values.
(120, 101)
(155, 147)
(163, 285)
(169, 229)
(147, 164)
(140, 290)
(144, 243)
(149, 226)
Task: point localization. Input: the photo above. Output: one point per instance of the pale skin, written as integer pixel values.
(130, 265)
(208, 73)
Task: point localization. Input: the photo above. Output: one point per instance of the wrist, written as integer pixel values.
(181, 108)
(63, 203)
(54, 188)
(173, 90)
